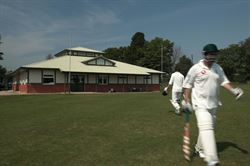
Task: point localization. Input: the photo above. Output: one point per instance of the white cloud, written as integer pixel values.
(100, 16)
(27, 33)
(27, 43)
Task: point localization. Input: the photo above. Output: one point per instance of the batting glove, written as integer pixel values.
(186, 106)
(237, 92)
(166, 89)
(164, 93)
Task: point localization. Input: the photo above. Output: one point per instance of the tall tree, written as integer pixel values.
(245, 47)
(158, 52)
(2, 69)
(49, 56)
(235, 60)
(146, 54)
(137, 40)
(118, 54)
(1, 53)
(2, 76)
(177, 53)
(184, 65)
(135, 50)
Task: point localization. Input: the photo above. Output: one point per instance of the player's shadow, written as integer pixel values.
(221, 146)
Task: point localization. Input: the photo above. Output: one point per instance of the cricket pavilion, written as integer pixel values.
(84, 70)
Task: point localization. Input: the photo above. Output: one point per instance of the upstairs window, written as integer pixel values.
(100, 61)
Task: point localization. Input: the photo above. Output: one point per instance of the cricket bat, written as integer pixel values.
(186, 137)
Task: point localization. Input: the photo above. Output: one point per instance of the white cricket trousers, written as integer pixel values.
(206, 139)
(176, 98)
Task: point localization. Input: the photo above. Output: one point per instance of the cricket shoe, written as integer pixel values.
(199, 153)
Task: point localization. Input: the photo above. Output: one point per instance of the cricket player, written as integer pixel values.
(176, 81)
(204, 80)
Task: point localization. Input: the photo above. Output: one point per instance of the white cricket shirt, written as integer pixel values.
(205, 84)
(176, 80)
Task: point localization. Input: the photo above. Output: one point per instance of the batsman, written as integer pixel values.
(203, 81)
(176, 81)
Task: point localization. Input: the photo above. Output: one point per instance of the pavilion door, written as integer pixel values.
(77, 83)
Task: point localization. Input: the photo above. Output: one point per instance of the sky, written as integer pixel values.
(32, 29)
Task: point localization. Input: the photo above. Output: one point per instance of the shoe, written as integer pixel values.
(212, 163)
(199, 152)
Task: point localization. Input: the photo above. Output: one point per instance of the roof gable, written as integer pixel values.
(99, 61)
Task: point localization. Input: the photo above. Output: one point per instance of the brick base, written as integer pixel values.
(122, 88)
(40, 88)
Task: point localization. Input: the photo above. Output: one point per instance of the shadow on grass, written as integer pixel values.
(221, 146)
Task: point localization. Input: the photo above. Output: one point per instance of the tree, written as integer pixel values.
(144, 53)
(184, 65)
(245, 46)
(1, 53)
(138, 40)
(235, 61)
(116, 53)
(176, 56)
(135, 50)
(228, 59)
(153, 51)
(49, 56)
(2, 69)
(2, 76)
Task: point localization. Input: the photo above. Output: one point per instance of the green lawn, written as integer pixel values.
(131, 129)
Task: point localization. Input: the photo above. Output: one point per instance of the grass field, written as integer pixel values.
(130, 129)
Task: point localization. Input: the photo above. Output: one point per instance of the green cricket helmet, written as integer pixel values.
(210, 52)
(210, 48)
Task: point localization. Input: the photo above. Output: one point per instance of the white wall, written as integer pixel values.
(92, 78)
(49, 72)
(35, 76)
(148, 81)
(131, 79)
(156, 78)
(139, 80)
(113, 79)
(23, 78)
(60, 77)
(16, 79)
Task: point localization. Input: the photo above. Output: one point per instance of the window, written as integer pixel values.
(82, 53)
(107, 63)
(103, 79)
(122, 79)
(147, 79)
(100, 61)
(92, 62)
(48, 79)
